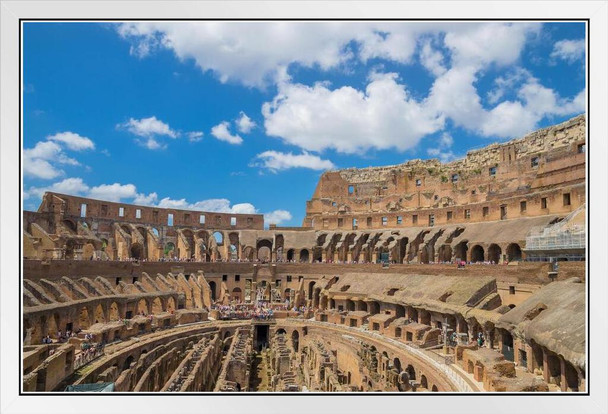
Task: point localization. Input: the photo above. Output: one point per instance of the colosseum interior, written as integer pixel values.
(421, 277)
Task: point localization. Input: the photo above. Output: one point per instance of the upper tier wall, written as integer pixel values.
(551, 162)
(67, 205)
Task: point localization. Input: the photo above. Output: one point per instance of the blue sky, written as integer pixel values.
(245, 116)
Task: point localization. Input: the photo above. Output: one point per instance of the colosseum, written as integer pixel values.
(467, 276)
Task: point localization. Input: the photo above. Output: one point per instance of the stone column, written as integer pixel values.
(562, 367)
(545, 366)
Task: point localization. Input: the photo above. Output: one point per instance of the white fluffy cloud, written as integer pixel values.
(348, 120)
(73, 141)
(195, 136)
(40, 161)
(277, 217)
(222, 132)
(277, 161)
(244, 123)
(383, 115)
(254, 53)
(72, 186)
(113, 192)
(569, 50)
(431, 58)
(149, 129)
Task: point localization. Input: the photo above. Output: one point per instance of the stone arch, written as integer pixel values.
(281, 331)
(170, 304)
(317, 254)
(477, 254)
(169, 249)
(157, 306)
(397, 364)
(434, 388)
(114, 313)
(494, 253)
(513, 252)
(287, 294)
(290, 255)
(137, 251)
(70, 224)
(219, 238)
(424, 382)
(100, 315)
(264, 248)
(460, 250)
(411, 372)
(127, 364)
(142, 306)
(445, 253)
(304, 256)
(350, 305)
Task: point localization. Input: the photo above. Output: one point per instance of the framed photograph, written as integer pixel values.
(303, 206)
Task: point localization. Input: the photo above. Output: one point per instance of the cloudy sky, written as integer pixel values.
(245, 116)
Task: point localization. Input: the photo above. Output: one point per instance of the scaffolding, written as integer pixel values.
(549, 239)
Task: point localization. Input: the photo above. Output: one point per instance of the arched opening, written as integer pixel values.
(212, 289)
(411, 372)
(434, 388)
(311, 286)
(281, 331)
(317, 254)
(219, 238)
(350, 305)
(70, 225)
(290, 255)
(169, 250)
(170, 304)
(287, 294)
(233, 253)
(157, 306)
(397, 364)
(460, 251)
(513, 252)
(99, 314)
(494, 252)
(142, 307)
(137, 251)
(399, 311)
(83, 320)
(423, 382)
(237, 294)
(295, 340)
(477, 254)
(445, 253)
(304, 256)
(114, 315)
(398, 333)
(128, 362)
(264, 248)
